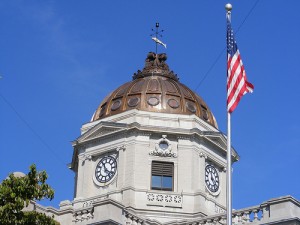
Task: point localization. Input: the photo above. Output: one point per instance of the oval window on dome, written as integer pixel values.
(116, 105)
(191, 107)
(133, 101)
(173, 103)
(153, 101)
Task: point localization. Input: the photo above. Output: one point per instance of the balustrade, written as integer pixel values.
(252, 215)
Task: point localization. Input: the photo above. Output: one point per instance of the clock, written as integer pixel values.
(212, 180)
(106, 170)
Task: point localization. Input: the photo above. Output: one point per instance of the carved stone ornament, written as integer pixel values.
(155, 65)
(83, 157)
(121, 148)
(83, 214)
(201, 154)
(163, 148)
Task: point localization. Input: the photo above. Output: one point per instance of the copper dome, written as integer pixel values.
(155, 89)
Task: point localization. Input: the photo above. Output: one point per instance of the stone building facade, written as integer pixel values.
(152, 154)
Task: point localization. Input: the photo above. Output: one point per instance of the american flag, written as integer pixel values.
(237, 84)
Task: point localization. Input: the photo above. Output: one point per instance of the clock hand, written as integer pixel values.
(108, 172)
(105, 169)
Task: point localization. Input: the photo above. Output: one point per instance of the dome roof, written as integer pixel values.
(155, 89)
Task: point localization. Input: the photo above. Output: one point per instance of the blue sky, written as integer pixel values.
(59, 59)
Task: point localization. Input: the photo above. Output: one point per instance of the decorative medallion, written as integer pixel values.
(191, 107)
(153, 101)
(168, 198)
(116, 105)
(163, 148)
(150, 197)
(173, 103)
(177, 199)
(159, 198)
(133, 101)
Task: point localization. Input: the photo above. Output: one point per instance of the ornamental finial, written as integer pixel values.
(228, 7)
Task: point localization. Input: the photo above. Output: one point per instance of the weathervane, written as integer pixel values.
(157, 33)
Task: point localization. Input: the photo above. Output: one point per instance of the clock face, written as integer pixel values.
(106, 169)
(212, 178)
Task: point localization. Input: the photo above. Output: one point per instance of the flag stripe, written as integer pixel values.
(234, 81)
(235, 72)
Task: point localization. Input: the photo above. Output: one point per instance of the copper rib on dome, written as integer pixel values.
(155, 89)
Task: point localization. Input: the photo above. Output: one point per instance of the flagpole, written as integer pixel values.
(229, 170)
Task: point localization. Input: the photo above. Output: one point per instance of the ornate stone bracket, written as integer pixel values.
(121, 148)
(132, 219)
(83, 214)
(83, 157)
(201, 154)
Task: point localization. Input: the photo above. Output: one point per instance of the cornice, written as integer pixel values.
(111, 131)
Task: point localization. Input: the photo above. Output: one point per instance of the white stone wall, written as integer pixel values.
(132, 184)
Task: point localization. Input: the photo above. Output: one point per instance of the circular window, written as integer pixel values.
(153, 101)
(191, 107)
(163, 145)
(116, 105)
(173, 103)
(133, 101)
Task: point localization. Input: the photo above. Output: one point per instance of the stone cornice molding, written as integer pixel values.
(116, 129)
(154, 213)
(107, 149)
(51, 210)
(210, 158)
(82, 204)
(152, 116)
(97, 136)
(282, 199)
